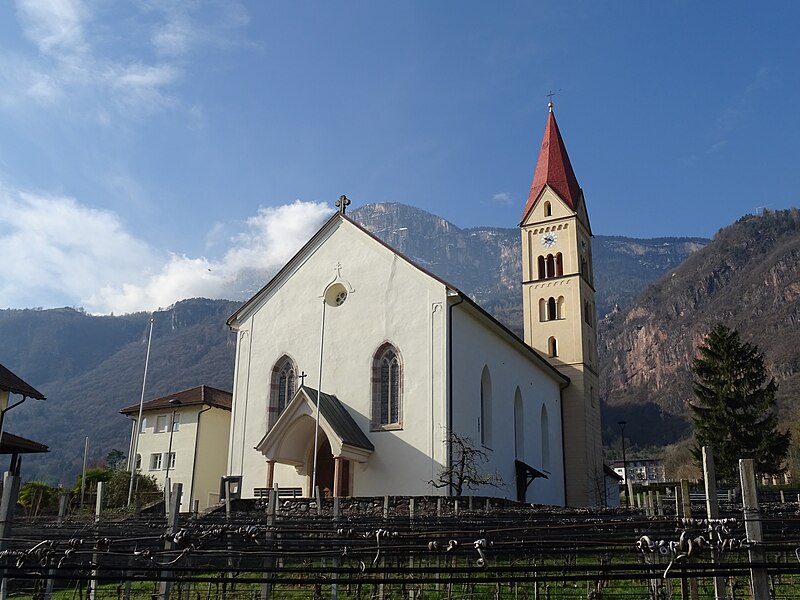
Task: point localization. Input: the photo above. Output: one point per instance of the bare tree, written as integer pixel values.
(465, 470)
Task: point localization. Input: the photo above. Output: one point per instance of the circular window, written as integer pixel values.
(335, 295)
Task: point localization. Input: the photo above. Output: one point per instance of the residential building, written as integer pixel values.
(183, 437)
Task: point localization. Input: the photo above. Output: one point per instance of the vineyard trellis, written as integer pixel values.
(430, 547)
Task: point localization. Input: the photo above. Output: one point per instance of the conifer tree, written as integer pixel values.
(734, 408)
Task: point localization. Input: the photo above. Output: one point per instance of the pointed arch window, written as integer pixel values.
(387, 388)
(284, 382)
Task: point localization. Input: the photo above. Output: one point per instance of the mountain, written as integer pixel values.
(486, 262)
(91, 366)
(749, 278)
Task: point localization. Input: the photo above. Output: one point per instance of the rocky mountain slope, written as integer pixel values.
(747, 277)
(486, 262)
(90, 366)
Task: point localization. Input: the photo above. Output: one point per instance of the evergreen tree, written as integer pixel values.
(733, 411)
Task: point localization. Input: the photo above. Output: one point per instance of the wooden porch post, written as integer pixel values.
(270, 473)
(337, 476)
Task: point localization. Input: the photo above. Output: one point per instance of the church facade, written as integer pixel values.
(356, 368)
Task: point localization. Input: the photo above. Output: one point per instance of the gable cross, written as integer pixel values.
(342, 203)
(302, 378)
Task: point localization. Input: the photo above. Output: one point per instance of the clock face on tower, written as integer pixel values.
(549, 239)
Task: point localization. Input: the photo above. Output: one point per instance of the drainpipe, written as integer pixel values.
(194, 461)
(449, 446)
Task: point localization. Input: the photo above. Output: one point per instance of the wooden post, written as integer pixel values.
(712, 512)
(269, 561)
(62, 511)
(686, 512)
(172, 528)
(337, 560)
(7, 506)
(759, 580)
(98, 508)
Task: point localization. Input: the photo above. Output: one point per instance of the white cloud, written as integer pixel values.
(55, 26)
(270, 238)
(54, 248)
(81, 67)
(502, 198)
(58, 252)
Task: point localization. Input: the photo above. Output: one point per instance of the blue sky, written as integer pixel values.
(152, 151)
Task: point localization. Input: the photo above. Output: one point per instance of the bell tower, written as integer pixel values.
(558, 300)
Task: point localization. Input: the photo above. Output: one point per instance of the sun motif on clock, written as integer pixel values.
(549, 239)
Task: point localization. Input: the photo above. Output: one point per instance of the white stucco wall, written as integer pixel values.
(477, 345)
(390, 301)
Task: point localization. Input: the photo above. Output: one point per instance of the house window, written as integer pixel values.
(176, 422)
(171, 460)
(387, 382)
(138, 464)
(155, 462)
(161, 423)
(485, 422)
(284, 381)
(143, 425)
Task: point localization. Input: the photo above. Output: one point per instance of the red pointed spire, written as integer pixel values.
(553, 168)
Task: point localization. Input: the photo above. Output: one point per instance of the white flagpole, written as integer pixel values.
(319, 391)
(132, 458)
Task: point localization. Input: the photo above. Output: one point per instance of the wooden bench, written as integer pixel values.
(288, 492)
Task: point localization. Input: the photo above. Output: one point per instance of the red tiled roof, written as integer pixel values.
(201, 394)
(554, 169)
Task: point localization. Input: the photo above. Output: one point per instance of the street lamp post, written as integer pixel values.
(624, 461)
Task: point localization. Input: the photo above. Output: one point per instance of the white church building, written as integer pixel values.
(396, 359)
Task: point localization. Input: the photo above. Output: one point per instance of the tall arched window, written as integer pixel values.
(387, 388)
(548, 210)
(485, 423)
(560, 308)
(545, 440)
(283, 387)
(542, 309)
(559, 265)
(552, 313)
(541, 273)
(551, 266)
(552, 347)
(519, 426)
